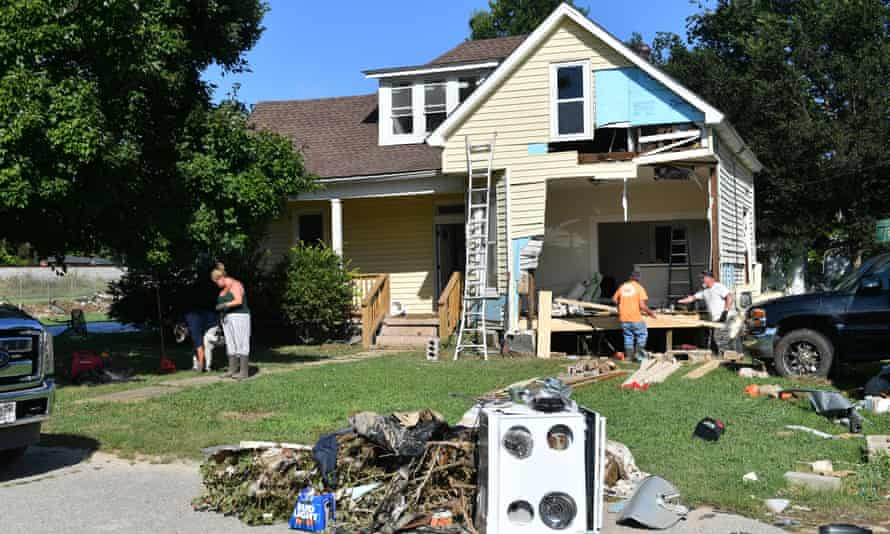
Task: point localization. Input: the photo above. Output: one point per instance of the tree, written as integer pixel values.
(512, 17)
(807, 84)
(109, 140)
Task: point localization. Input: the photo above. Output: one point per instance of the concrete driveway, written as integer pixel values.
(59, 489)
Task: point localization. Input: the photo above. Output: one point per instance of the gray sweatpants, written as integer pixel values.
(236, 327)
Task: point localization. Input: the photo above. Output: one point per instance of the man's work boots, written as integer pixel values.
(233, 368)
(245, 369)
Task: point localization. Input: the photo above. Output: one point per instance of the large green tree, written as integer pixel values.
(807, 83)
(109, 139)
(511, 17)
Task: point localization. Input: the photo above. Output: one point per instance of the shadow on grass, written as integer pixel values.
(54, 452)
(140, 354)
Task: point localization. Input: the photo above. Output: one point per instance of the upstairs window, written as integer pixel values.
(402, 111)
(466, 86)
(434, 104)
(570, 101)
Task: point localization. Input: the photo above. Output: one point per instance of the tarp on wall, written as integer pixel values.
(629, 95)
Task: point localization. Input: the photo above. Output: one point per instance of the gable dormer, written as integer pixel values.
(413, 101)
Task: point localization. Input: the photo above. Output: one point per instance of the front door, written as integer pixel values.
(450, 253)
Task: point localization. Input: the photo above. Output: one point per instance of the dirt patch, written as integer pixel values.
(245, 416)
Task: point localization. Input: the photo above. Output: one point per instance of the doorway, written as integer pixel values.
(450, 253)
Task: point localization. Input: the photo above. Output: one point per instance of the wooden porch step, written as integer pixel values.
(425, 331)
(412, 320)
(402, 341)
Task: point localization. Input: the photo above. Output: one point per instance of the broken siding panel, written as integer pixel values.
(519, 111)
(395, 236)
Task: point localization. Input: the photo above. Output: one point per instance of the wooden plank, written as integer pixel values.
(545, 308)
(562, 325)
(702, 370)
(581, 381)
(664, 320)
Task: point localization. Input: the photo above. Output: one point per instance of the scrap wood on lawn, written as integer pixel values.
(656, 425)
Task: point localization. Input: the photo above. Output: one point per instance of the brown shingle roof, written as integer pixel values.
(481, 50)
(494, 49)
(338, 137)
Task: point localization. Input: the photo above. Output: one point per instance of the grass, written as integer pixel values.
(657, 424)
(90, 317)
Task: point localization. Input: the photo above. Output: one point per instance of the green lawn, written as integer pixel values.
(657, 424)
(90, 317)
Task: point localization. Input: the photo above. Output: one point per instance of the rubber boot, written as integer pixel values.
(233, 368)
(641, 355)
(245, 369)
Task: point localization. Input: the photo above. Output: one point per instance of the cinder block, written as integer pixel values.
(812, 481)
(877, 445)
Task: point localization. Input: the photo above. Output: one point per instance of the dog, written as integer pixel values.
(213, 338)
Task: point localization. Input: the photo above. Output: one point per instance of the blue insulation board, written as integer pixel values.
(629, 95)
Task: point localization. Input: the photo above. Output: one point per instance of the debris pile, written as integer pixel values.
(392, 473)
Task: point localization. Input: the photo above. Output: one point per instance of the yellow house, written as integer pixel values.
(609, 163)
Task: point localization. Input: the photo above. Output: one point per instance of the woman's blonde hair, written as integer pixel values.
(218, 272)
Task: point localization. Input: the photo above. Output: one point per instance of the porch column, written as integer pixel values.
(337, 225)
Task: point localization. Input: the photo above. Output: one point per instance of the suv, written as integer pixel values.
(26, 384)
(806, 334)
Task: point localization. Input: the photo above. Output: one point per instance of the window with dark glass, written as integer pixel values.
(310, 228)
(466, 86)
(570, 100)
(402, 111)
(434, 104)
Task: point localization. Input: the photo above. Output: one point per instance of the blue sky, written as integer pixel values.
(315, 49)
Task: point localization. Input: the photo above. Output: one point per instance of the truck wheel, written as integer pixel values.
(10, 456)
(804, 352)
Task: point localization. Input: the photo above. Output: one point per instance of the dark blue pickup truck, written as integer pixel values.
(806, 334)
(26, 381)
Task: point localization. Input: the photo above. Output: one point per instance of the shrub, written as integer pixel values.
(316, 293)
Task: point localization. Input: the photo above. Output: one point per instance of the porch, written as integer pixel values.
(600, 230)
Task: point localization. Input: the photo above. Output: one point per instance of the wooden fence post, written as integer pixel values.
(545, 308)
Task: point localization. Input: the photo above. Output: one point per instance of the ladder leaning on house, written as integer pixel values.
(473, 336)
(679, 258)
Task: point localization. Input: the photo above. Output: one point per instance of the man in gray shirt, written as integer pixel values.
(718, 300)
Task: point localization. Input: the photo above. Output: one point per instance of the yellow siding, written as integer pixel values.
(519, 111)
(395, 236)
(282, 233)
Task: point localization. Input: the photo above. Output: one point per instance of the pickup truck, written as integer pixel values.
(27, 387)
(804, 335)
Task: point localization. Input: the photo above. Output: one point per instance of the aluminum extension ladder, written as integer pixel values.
(473, 336)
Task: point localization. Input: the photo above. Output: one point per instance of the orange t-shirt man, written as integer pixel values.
(631, 298)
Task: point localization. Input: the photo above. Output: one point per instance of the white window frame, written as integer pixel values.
(397, 112)
(440, 108)
(586, 98)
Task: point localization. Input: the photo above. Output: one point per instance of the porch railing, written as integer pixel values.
(371, 301)
(449, 306)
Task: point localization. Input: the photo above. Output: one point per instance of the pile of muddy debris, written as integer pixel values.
(387, 473)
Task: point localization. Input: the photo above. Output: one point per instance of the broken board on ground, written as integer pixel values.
(653, 371)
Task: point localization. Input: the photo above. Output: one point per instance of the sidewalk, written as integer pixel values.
(174, 385)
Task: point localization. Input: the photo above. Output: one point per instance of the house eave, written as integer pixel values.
(420, 70)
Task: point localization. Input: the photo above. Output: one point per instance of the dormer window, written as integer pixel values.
(570, 101)
(466, 86)
(402, 109)
(434, 106)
